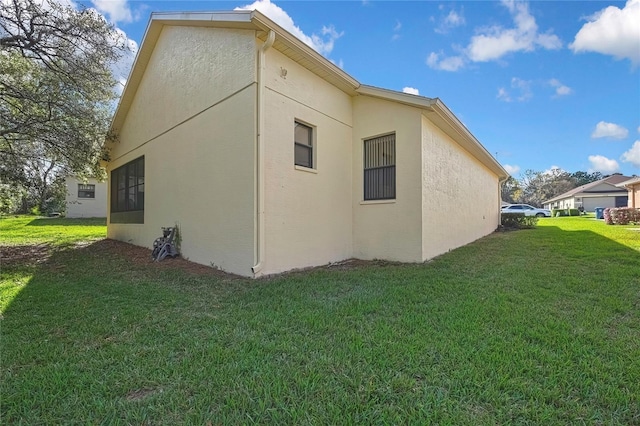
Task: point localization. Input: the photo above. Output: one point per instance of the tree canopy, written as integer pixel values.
(57, 89)
(536, 187)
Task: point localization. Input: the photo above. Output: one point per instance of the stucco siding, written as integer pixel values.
(459, 195)
(85, 207)
(194, 120)
(388, 229)
(190, 70)
(307, 211)
(634, 196)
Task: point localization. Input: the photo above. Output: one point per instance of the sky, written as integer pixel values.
(541, 84)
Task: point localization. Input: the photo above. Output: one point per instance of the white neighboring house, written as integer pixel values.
(86, 198)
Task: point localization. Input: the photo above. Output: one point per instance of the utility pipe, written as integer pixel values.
(259, 179)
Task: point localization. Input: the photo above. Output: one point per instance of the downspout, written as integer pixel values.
(259, 179)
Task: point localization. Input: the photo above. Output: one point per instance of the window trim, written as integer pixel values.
(311, 146)
(127, 213)
(87, 188)
(366, 156)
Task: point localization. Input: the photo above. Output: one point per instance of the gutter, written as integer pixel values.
(259, 181)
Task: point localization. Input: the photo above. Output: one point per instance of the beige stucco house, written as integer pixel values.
(602, 193)
(269, 157)
(85, 197)
(632, 186)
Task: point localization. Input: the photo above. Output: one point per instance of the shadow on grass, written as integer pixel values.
(531, 326)
(63, 221)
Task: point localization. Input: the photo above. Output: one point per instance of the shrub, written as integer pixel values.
(558, 212)
(574, 212)
(621, 216)
(518, 221)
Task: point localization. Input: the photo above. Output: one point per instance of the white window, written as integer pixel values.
(303, 145)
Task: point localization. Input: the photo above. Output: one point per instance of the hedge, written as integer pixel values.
(518, 221)
(621, 216)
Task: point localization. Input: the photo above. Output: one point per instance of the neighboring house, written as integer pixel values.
(86, 198)
(269, 157)
(602, 193)
(633, 191)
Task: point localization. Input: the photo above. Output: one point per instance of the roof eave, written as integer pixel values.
(441, 115)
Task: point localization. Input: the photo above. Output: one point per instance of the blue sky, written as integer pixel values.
(541, 84)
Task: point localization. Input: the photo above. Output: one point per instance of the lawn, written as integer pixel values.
(538, 326)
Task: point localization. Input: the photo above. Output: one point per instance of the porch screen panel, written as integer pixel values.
(380, 168)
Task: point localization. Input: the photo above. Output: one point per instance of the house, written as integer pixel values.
(632, 186)
(85, 197)
(602, 193)
(268, 157)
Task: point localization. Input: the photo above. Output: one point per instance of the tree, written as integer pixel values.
(583, 178)
(56, 89)
(511, 192)
(537, 187)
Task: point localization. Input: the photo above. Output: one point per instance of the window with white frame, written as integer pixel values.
(303, 145)
(86, 190)
(380, 168)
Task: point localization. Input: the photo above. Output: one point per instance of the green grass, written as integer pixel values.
(26, 230)
(537, 326)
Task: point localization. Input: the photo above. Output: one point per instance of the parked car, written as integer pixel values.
(526, 209)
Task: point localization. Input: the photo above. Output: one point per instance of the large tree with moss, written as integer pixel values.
(56, 90)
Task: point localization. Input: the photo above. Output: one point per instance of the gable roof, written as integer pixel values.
(301, 53)
(612, 180)
(630, 182)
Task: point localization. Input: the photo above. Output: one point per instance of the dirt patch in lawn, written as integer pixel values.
(32, 255)
(28, 255)
(142, 256)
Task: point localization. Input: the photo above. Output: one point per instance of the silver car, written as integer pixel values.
(526, 209)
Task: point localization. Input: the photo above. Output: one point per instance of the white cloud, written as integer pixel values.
(503, 95)
(449, 22)
(612, 31)
(632, 155)
(322, 43)
(561, 89)
(602, 164)
(609, 130)
(553, 170)
(396, 31)
(451, 63)
(494, 42)
(411, 90)
(512, 170)
(116, 10)
(521, 89)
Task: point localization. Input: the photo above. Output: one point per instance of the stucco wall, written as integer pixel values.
(86, 207)
(390, 229)
(200, 84)
(460, 197)
(634, 196)
(308, 218)
(190, 69)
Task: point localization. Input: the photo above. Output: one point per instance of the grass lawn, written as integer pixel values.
(537, 326)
